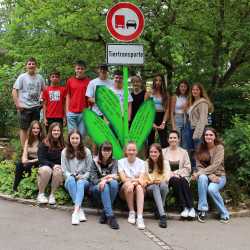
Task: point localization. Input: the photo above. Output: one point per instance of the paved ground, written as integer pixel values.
(23, 227)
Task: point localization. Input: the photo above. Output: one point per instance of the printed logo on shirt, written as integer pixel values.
(33, 92)
(54, 95)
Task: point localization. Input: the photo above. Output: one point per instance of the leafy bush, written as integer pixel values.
(237, 161)
(228, 102)
(28, 186)
(8, 116)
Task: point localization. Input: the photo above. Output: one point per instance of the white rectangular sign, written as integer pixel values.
(124, 54)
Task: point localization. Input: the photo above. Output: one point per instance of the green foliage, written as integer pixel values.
(8, 116)
(142, 123)
(237, 162)
(211, 44)
(6, 176)
(28, 186)
(100, 132)
(109, 104)
(227, 103)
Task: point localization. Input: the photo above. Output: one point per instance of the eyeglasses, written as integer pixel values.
(118, 77)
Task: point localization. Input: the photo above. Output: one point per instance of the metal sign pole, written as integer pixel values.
(125, 103)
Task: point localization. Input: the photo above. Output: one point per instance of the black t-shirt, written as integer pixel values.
(105, 169)
(137, 102)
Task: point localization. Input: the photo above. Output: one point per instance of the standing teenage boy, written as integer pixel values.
(76, 101)
(26, 95)
(54, 101)
(119, 92)
(102, 79)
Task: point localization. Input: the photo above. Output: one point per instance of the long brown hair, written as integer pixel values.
(50, 141)
(163, 90)
(178, 92)
(108, 147)
(202, 153)
(31, 138)
(79, 153)
(203, 94)
(159, 163)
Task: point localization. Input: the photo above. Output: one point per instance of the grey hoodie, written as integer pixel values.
(75, 166)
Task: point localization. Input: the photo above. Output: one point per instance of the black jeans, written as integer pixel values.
(21, 169)
(161, 132)
(52, 120)
(182, 192)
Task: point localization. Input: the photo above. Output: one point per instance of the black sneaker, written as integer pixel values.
(163, 221)
(156, 213)
(103, 218)
(202, 216)
(224, 220)
(112, 222)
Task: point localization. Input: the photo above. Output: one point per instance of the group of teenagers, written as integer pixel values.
(190, 151)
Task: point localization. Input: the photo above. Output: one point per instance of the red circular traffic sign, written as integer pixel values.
(125, 21)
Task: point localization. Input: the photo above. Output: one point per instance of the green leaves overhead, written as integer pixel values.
(100, 132)
(110, 106)
(142, 123)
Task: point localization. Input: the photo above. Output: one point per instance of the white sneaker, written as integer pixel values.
(52, 200)
(191, 213)
(82, 216)
(185, 212)
(140, 223)
(131, 217)
(42, 199)
(75, 218)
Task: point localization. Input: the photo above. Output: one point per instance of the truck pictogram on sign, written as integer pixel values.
(125, 21)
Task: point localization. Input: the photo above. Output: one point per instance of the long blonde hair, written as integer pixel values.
(203, 94)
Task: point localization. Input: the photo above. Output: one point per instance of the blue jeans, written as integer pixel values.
(108, 195)
(159, 192)
(204, 187)
(75, 120)
(76, 189)
(179, 122)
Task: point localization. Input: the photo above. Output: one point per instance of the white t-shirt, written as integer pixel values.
(120, 94)
(90, 92)
(29, 89)
(132, 170)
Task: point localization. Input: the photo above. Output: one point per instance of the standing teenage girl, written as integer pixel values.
(199, 106)
(160, 97)
(138, 95)
(178, 107)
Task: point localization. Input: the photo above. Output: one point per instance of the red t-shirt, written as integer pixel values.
(54, 96)
(76, 88)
